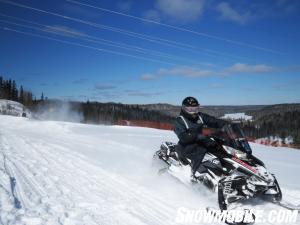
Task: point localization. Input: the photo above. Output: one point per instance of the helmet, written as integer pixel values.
(190, 107)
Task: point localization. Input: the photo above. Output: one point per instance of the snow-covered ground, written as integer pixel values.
(68, 173)
(13, 108)
(237, 116)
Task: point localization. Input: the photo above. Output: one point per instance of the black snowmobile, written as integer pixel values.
(230, 169)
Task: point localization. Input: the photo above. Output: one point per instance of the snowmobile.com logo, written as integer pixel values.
(212, 216)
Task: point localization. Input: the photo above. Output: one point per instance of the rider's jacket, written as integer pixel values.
(189, 130)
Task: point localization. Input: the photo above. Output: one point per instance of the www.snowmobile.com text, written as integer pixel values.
(185, 215)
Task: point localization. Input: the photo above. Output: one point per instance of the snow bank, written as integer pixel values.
(68, 173)
(275, 141)
(13, 108)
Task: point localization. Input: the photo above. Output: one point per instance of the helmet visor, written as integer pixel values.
(192, 109)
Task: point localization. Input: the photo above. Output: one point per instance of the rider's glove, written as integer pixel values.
(209, 143)
(201, 138)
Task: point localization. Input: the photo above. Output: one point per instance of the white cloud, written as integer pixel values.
(194, 72)
(240, 12)
(181, 10)
(185, 71)
(231, 14)
(243, 12)
(245, 68)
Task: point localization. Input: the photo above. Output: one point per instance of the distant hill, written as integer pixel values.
(217, 111)
(271, 109)
(281, 121)
(256, 111)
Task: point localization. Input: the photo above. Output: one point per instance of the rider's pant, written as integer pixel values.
(195, 153)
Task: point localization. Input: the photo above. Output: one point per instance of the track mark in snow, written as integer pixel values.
(68, 174)
(17, 202)
(12, 180)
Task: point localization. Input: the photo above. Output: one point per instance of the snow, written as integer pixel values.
(275, 141)
(237, 116)
(13, 108)
(71, 173)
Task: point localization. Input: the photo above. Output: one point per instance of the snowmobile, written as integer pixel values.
(230, 169)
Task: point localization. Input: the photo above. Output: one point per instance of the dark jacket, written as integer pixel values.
(190, 131)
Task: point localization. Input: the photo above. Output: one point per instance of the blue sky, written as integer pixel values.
(222, 52)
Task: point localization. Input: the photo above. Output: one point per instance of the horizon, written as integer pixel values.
(159, 103)
(223, 53)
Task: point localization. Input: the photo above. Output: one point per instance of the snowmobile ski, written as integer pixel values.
(288, 205)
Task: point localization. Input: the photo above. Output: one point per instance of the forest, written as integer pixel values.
(10, 91)
(280, 124)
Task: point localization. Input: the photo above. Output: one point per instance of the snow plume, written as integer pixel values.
(60, 111)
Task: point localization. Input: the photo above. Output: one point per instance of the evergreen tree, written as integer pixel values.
(21, 97)
(9, 91)
(14, 91)
(1, 87)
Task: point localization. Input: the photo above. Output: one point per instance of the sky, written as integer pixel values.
(154, 51)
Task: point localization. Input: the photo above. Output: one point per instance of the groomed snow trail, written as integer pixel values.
(68, 173)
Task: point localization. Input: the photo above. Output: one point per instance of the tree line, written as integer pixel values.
(280, 124)
(100, 113)
(10, 91)
(113, 113)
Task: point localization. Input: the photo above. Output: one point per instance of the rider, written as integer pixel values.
(188, 128)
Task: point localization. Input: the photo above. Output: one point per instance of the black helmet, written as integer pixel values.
(190, 107)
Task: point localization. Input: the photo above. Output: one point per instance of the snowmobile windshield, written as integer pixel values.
(234, 137)
(233, 131)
